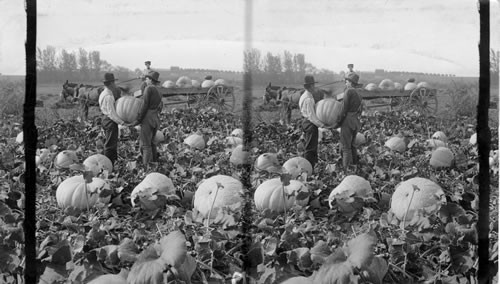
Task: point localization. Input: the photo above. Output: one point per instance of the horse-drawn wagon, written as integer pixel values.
(422, 99)
(218, 96)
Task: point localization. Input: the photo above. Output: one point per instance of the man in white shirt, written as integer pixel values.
(310, 123)
(110, 120)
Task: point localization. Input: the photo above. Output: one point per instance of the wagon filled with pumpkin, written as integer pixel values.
(207, 93)
(420, 97)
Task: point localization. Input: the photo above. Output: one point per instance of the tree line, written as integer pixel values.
(286, 68)
(76, 66)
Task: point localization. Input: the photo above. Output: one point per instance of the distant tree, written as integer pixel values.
(83, 62)
(299, 62)
(288, 67)
(272, 67)
(252, 60)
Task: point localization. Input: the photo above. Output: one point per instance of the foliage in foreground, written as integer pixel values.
(75, 246)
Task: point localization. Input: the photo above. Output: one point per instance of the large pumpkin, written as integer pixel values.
(168, 84)
(386, 85)
(442, 157)
(109, 279)
(128, 107)
(239, 156)
(410, 86)
(398, 86)
(195, 141)
(98, 163)
(269, 195)
(328, 111)
(219, 82)
(207, 83)
(435, 143)
(75, 192)
(195, 83)
(396, 143)
(150, 188)
(220, 190)
(371, 87)
(65, 158)
(428, 197)
(159, 137)
(183, 82)
(296, 166)
(267, 162)
(352, 185)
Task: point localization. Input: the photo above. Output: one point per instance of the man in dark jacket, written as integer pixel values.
(149, 118)
(349, 121)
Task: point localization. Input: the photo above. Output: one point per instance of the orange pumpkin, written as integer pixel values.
(65, 158)
(128, 107)
(74, 191)
(296, 166)
(98, 163)
(269, 195)
(328, 111)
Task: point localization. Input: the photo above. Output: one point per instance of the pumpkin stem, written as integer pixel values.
(213, 202)
(86, 196)
(408, 207)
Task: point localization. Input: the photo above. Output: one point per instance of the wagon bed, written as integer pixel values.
(220, 96)
(423, 100)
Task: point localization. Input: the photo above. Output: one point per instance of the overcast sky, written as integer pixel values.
(404, 35)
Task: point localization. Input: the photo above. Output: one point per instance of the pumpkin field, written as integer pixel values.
(217, 210)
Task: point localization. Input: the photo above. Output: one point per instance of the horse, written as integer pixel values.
(68, 91)
(87, 95)
(271, 93)
(287, 99)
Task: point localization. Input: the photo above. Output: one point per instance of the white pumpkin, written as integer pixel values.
(429, 197)
(98, 163)
(386, 85)
(238, 132)
(296, 166)
(396, 143)
(153, 185)
(207, 83)
(473, 139)
(351, 185)
(221, 191)
(371, 87)
(410, 86)
(269, 195)
(65, 158)
(20, 137)
(183, 82)
(239, 156)
(168, 84)
(195, 141)
(74, 191)
(219, 82)
(234, 141)
(442, 157)
(195, 83)
(439, 135)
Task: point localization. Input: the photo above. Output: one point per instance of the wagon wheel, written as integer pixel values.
(194, 100)
(424, 101)
(220, 97)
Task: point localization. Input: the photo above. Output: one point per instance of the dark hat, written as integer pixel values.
(108, 77)
(353, 77)
(153, 75)
(350, 65)
(208, 77)
(147, 62)
(309, 80)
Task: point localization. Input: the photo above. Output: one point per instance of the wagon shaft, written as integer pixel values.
(220, 97)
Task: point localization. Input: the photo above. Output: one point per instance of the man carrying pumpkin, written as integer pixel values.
(349, 121)
(110, 121)
(149, 118)
(310, 122)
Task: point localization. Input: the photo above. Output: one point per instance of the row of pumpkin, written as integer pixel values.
(219, 191)
(186, 82)
(389, 85)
